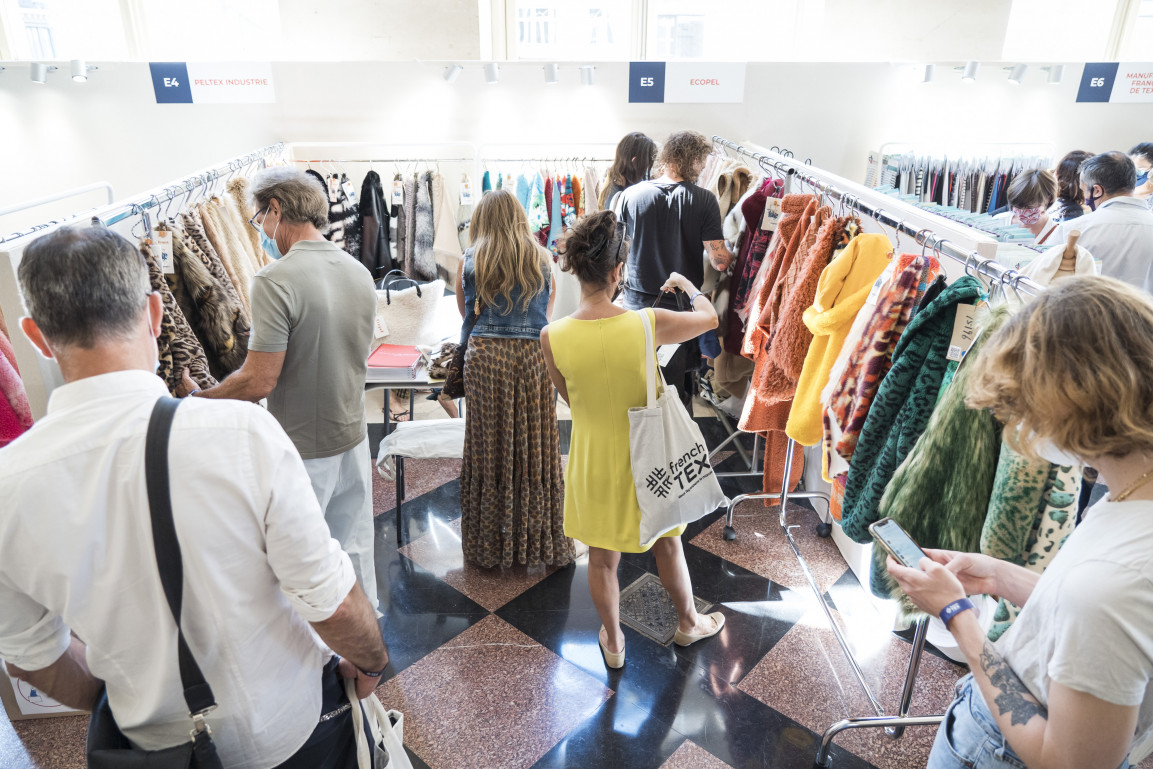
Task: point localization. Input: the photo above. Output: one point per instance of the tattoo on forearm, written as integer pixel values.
(1012, 696)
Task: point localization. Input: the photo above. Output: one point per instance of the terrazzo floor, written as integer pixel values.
(502, 668)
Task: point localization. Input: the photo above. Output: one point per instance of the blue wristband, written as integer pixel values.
(955, 608)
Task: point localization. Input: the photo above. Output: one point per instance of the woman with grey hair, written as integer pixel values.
(313, 312)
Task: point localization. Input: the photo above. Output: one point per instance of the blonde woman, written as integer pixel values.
(1071, 682)
(511, 487)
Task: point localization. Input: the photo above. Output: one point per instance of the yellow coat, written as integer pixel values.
(841, 293)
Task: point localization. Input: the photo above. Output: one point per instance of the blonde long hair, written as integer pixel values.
(505, 254)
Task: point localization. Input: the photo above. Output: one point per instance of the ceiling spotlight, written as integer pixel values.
(80, 70)
(969, 72)
(491, 72)
(452, 72)
(1017, 73)
(551, 74)
(930, 70)
(588, 74)
(40, 72)
(1056, 74)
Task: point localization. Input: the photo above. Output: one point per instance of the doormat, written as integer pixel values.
(647, 609)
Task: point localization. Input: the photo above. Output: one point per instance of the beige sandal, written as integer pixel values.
(685, 639)
(615, 661)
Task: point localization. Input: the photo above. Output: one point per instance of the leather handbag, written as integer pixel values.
(107, 747)
(454, 375)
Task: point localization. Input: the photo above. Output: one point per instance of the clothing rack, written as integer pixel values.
(106, 186)
(859, 199)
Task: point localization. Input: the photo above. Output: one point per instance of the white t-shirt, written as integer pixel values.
(1089, 623)
(259, 564)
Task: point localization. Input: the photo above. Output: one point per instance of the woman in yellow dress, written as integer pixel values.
(596, 358)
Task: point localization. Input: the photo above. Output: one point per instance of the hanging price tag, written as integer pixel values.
(162, 249)
(466, 193)
(349, 192)
(665, 353)
(398, 193)
(772, 214)
(964, 332)
(882, 280)
(381, 326)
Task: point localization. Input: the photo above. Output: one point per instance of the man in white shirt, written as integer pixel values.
(1119, 230)
(267, 590)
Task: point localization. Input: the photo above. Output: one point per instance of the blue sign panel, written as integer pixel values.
(170, 82)
(646, 81)
(1097, 81)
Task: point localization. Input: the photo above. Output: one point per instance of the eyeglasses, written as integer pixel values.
(253, 222)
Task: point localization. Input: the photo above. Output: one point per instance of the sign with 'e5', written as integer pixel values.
(177, 82)
(1113, 82)
(686, 82)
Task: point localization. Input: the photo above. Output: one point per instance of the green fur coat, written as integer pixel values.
(940, 493)
(901, 409)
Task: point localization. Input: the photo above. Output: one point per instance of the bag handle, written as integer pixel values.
(197, 693)
(404, 278)
(650, 360)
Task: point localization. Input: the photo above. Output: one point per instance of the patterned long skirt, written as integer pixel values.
(511, 485)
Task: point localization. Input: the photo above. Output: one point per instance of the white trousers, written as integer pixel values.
(343, 486)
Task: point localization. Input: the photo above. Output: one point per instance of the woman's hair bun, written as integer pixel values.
(593, 248)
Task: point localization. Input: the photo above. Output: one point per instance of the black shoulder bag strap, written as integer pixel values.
(197, 693)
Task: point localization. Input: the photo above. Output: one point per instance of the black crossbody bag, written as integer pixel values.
(107, 746)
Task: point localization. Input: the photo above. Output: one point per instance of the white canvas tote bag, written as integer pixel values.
(674, 480)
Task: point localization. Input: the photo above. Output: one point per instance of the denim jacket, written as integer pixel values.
(517, 323)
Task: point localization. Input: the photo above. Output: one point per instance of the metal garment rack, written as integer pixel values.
(106, 186)
(776, 161)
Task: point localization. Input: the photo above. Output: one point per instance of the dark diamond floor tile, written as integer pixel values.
(619, 736)
(441, 503)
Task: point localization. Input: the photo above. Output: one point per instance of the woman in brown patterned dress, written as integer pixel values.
(511, 485)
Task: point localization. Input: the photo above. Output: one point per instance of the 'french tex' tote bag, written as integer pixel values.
(674, 480)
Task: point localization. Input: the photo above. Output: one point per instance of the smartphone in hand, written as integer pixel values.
(897, 542)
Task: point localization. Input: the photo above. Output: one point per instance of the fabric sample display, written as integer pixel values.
(375, 224)
(177, 347)
(854, 386)
(841, 293)
(904, 402)
(941, 492)
(423, 265)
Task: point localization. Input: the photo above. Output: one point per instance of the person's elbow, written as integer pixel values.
(262, 383)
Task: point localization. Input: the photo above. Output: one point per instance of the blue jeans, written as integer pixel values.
(969, 738)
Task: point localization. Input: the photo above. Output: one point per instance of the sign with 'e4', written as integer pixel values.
(686, 82)
(1113, 82)
(177, 82)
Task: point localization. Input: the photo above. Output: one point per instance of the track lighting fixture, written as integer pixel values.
(40, 72)
(930, 70)
(1017, 73)
(551, 74)
(588, 74)
(969, 72)
(1056, 73)
(452, 72)
(491, 72)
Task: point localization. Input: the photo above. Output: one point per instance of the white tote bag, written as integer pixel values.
(384, 747)
(674, 481)
(408, 316)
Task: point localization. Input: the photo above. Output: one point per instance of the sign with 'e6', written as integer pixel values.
(686, 82)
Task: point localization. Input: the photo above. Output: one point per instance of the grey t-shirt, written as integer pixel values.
(317, 305)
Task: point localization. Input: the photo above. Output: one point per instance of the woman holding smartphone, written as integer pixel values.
(1070, 684)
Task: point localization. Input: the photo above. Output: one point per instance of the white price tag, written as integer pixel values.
(381, 326)
(882, 280)
(162, 249)
(964, 332)
(466, 193)
(772, 214)
(398, 193)
(665, 353)
(349, 192)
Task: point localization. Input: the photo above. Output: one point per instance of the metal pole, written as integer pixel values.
(919, 637)
(107, 187)
(867, 722)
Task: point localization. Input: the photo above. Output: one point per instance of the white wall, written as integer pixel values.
(64, 134)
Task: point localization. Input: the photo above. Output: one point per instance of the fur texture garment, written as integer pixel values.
(841, 293)
(423, 265)
(336, 212)
(241, 203)
(790, 275)
(403, 231)
(854, 386)
(902, 406)
(446, 244)
(177, 346)
(231, 251)
(410, 204)
(746, 266)
(213, 314)
(375, 223)
(350, 219)
(941, 492)
(1032, 512)
(195, 230)
(229, 216)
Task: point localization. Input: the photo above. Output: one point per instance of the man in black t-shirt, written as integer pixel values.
(671, 222)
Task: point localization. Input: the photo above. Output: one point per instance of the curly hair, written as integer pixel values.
(1072, 367)
(594, 247)
(681, 152)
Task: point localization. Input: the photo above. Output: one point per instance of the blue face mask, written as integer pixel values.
(1142, 178)
(269, 244)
